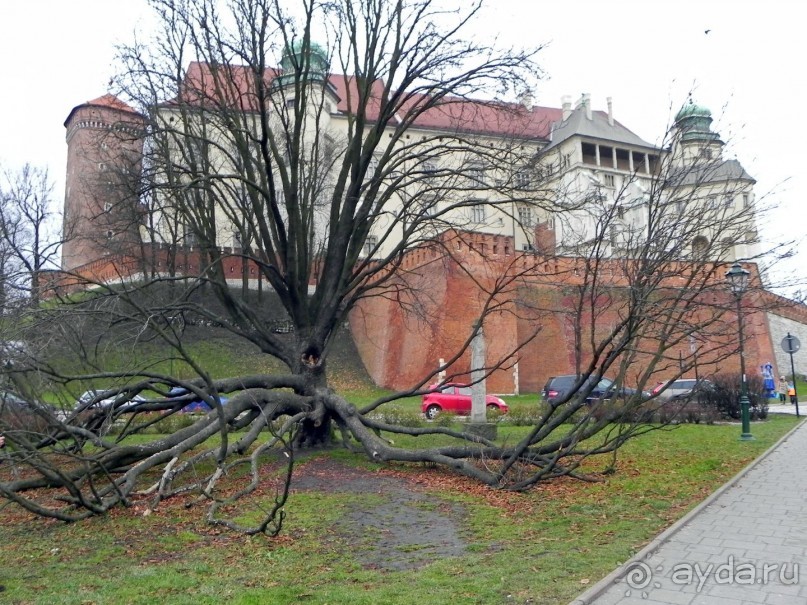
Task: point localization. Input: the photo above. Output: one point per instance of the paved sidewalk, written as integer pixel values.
(746, 544)
(787, 408)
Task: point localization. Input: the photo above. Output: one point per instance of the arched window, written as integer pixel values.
(700, 246)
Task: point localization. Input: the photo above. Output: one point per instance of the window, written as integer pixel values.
(622, 159)
(711, 202)
(565, 161)
(424, 204)
(521, 180)
(477, 175)
(372, 166)
(589, 153)
(188, 236)
(746, 200)
(370, 245)
(609, 180)
(525, 216)
(728, 201)
(613, 234)
(700, 246)
(236, 239)
(478, 213)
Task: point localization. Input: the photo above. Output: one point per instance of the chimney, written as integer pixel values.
(585, 103)
(610, 111)
(526, 99)
(566, 102)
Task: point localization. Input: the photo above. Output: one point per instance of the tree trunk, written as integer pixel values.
(315, 431)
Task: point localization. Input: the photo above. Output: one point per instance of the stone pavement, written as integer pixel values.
(787, 408)
(746, 544)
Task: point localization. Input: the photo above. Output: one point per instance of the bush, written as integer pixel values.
(393, 414)
(166, 426)
(656, 411)
(525, 414)
(725, 397)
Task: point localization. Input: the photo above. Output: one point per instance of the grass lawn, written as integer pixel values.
(544, 546)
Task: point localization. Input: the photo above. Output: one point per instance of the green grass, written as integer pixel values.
(546, 545)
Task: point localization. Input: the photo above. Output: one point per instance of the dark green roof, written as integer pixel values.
(692, 109)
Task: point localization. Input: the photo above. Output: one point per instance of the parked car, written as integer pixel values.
(195, 404)
(26, 415)
(107, 399)
(701, 387)
(11, 400)
(678, 389)
(558, 387)
(456, 398)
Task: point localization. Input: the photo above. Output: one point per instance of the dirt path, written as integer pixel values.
(408, 529)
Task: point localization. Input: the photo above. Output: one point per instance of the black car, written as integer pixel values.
(558, 387)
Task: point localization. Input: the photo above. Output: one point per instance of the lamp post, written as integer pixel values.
(738, 281)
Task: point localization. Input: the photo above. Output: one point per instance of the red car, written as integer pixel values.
(456, 399)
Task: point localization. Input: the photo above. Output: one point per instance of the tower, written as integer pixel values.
(694, 135)
(104, 152)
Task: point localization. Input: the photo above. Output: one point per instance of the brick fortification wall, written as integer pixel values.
(403, 335)
(401, 342)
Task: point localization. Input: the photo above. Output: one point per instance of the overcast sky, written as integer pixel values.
(741, 59)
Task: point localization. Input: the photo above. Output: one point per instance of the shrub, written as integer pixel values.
(725, 397)
(525, 414)
(167, 425)
(445, 419)
(394, 414)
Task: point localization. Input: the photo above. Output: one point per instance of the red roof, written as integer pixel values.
(451, 113)
(108, 101)
(112, 102)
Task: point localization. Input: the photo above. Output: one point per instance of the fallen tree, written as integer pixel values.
(241, 159)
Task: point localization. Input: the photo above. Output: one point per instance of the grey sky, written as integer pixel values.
(647, 56)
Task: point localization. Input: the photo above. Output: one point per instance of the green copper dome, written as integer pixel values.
(695, 124)
(314, 59)
(692, 110)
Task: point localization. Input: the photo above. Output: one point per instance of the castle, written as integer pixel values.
(596, 179)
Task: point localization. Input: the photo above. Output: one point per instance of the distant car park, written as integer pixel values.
(558, 388)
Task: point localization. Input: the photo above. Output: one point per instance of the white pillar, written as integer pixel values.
(478, 390)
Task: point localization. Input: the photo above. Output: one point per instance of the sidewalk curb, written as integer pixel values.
(588, 597)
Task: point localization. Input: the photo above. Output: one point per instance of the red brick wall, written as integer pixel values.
(402, 336)
(399, 350)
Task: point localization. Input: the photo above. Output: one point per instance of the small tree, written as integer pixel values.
(27, 227)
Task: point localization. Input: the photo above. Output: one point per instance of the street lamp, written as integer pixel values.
(738, 281)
